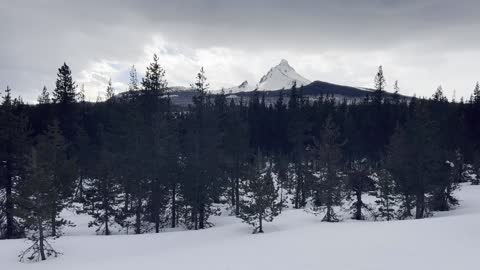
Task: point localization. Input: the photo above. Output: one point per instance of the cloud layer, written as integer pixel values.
(420, 43)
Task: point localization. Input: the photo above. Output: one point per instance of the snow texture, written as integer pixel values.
(295, 240)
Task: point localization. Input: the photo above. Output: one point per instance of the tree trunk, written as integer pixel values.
(106, 207)
(41, 240)
(195, 218)
(237, 196)
(9, 233)
(232, 194)
(387, 205)
(79, 192)
(408, 206)
(201, 223)
(297, 194)
(127, 202)
(137, 216)
(420, 205)
(358, 211)
(303, 198)
(107, 230)
(174, 206)
(54, 221)
(328, 216)
(281, 198)
(157, 223)
(260, 225)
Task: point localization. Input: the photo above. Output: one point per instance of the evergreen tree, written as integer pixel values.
(101, 194)
(81, 94)
(200, 86)
(399, 166)
(423, 161)
(13, 150)
(261, 202)
(35, 204)
(476, 94)
(235, 147)
(297, 130)
(65, 87)
(133, 83)
(44, 97)
(475, 169)
(154, 81)
(328, 176)
(385, 193)
(61, 173)
(359, 182)
(110, 92)
(380, 85)
(438, 95)
(202, 164)
(158, 196)
(396, 93)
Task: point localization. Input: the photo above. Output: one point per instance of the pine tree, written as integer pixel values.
(327, 174)
(380, 85)
(418, 160)
(154, 81)
(158, 196)
(44, 97)
(61, 172)
(475, 169)
(35, 204)
(385, 193)
(133, 83)
(261, 202)
(101, 194)
(110, 92)
(476, 94)
(296, 136)
(359, 182)
(438, 95)
(201, 158)
(200, 86)
(396, 93)
(399, 167)
(13, 150)
(64, 92)
(81, 94)
(235, 150)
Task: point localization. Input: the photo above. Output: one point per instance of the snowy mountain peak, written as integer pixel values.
(243, 87)
(284, 62)
(281, 76)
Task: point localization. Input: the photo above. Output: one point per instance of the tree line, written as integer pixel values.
(138, 162)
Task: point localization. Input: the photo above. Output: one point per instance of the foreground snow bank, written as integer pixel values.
(296, 240)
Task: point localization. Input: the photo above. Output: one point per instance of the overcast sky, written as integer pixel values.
(420, 43)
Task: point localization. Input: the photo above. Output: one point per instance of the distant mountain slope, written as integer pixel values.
(319, 87)
(183, 96)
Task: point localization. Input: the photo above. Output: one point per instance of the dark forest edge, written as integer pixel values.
(140, 162)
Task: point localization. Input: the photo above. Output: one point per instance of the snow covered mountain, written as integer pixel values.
(243, 87)
(281, 76)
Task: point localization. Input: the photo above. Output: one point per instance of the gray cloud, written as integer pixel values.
(421, 43)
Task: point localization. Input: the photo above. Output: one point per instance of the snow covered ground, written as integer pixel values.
(295, 240)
